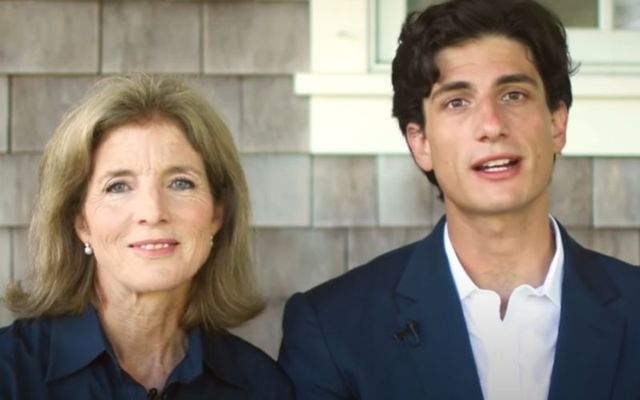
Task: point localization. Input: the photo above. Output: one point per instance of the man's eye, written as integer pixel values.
(456, 103)
(117, 187)
(181, 184)
(513, 96)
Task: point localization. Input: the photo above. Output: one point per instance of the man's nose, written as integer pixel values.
(490, 124)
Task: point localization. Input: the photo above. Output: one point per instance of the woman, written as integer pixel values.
(140, 244)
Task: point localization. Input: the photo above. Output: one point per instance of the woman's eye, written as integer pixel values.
(181, 184)
(117, 187)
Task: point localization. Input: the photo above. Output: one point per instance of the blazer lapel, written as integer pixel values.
(426, 297)
(590, 332)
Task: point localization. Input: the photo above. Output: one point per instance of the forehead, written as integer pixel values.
(147, 145)
(485, 57)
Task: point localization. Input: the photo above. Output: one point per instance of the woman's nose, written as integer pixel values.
(150, 206)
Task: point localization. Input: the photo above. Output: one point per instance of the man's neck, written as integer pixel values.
(502, 252)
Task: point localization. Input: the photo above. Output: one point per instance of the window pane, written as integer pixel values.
(573, 13)
(626, 14)
(419, 5)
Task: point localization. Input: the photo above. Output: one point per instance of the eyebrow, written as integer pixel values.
(174, 169)
(449, 87)
(115, 174)
(182, 169)
(516, 78)
(503, 80)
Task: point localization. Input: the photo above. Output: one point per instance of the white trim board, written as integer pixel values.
(351, 114)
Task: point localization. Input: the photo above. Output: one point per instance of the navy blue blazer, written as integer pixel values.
(350, 338)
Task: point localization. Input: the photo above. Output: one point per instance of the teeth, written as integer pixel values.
(497, 163)
(152, 246)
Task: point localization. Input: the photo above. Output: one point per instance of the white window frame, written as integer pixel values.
(350, 94)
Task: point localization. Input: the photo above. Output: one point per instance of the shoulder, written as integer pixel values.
(365, 292)
(615, 265)
(626, 276)
(250, 356)
(381, 273)
(23, 350)
(246, 365)
(616, 268)
(606, 273)
(590, 261)
(23, 338)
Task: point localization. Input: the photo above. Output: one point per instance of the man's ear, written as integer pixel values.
(81, 228)
(559, 120)
(419, 145)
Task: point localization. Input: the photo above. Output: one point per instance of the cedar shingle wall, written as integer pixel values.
(315, 216)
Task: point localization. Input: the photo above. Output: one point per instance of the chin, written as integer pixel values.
(488, 206)
(506, 206)
(158, 284)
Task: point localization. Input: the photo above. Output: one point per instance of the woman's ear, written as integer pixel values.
(81, 228)
(218, 218)
(419, 145)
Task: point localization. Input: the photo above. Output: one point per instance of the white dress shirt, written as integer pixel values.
(514, 356)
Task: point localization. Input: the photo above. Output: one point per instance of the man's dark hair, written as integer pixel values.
(423, 35)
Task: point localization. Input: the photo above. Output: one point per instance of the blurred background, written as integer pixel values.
(304, 86)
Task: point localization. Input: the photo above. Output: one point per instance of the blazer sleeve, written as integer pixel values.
(305, 354)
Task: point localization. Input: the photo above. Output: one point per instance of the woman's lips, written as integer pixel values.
(155, 246)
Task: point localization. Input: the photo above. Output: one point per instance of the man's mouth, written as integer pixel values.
(498, 165)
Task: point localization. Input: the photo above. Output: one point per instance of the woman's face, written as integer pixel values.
(148, 214)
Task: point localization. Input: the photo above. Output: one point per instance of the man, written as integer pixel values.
(498, 302)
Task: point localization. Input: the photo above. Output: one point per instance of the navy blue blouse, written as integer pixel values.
(69, 358)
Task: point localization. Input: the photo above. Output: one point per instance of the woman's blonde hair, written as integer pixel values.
(223, 292)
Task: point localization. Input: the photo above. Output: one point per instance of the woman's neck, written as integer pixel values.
(145, 334)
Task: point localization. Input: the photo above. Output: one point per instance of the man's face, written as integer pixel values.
(489, 136)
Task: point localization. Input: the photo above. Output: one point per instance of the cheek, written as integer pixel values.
(106, 222)
(545, 145)
(446, 151)
(199, 230)
(196, 216)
